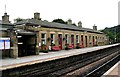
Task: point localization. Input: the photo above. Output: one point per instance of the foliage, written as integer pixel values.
(48, 39)
(62, 21)
(64, 39)
(112, 33)
(52, 44)
(18, 19)
(44, 48)
(59, 21)
(74, 24)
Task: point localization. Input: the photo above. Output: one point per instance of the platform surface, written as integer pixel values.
(113, 71)
(8, 63)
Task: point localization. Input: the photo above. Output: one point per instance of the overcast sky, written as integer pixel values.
(103, 13)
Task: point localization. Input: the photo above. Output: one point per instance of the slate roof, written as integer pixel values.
(3, 29)
(5, 26)
(55, 25)
(6, 23)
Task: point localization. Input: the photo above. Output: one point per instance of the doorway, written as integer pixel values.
(60, 40)
(93, 41)
(82, 40)
(72, 40)
(86, 40)
(26, 45)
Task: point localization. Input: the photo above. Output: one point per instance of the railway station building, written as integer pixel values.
(5, 26)
(30, 36)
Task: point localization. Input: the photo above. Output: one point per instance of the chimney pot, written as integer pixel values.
(94, 27)
(80, 24)
(69, 21)
(37, 16)
(5, 18)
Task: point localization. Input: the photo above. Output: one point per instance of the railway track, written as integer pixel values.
(75, 66)
(104, 67)
(64, 66)
(94, 69)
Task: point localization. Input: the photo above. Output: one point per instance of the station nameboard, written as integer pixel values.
(5, 43)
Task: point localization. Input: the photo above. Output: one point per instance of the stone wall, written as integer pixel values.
(99, 39)
(48, 31)
(4, 53)
(14, 44)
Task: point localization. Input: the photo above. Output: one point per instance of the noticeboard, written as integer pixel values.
(7, 44)
(4, 43)
(1, 44)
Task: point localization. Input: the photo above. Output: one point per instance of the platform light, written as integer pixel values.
(20, 43)
(19, 36)
(18, 30)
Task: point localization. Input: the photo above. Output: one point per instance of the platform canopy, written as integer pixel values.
(24, 32)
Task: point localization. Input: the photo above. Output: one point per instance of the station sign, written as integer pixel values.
(5, 43)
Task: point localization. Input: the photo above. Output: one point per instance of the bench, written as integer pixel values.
(55, 48)
(70, 46)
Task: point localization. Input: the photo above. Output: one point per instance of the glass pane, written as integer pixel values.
(42, 35)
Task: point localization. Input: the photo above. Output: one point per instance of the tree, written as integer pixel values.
(18, 19)
(118, 37)
(113, 33)
(74, 24)
(59, 21)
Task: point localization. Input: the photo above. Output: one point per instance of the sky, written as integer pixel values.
(102, 13)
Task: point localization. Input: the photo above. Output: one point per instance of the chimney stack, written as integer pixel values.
(5, 18)
(37, 16)
(94, 27)
(69, 21)
(80, 24)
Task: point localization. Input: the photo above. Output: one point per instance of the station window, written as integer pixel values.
(98, 39)
(52, 39)
(43, 38)
(77, 38)
(66, 38)
(103, 39)
(72, 39)
(90, 38)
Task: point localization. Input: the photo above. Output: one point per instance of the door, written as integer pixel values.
(93, 40)
(60, 40)
(72, 40)
(82, 40)
(86, 40)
